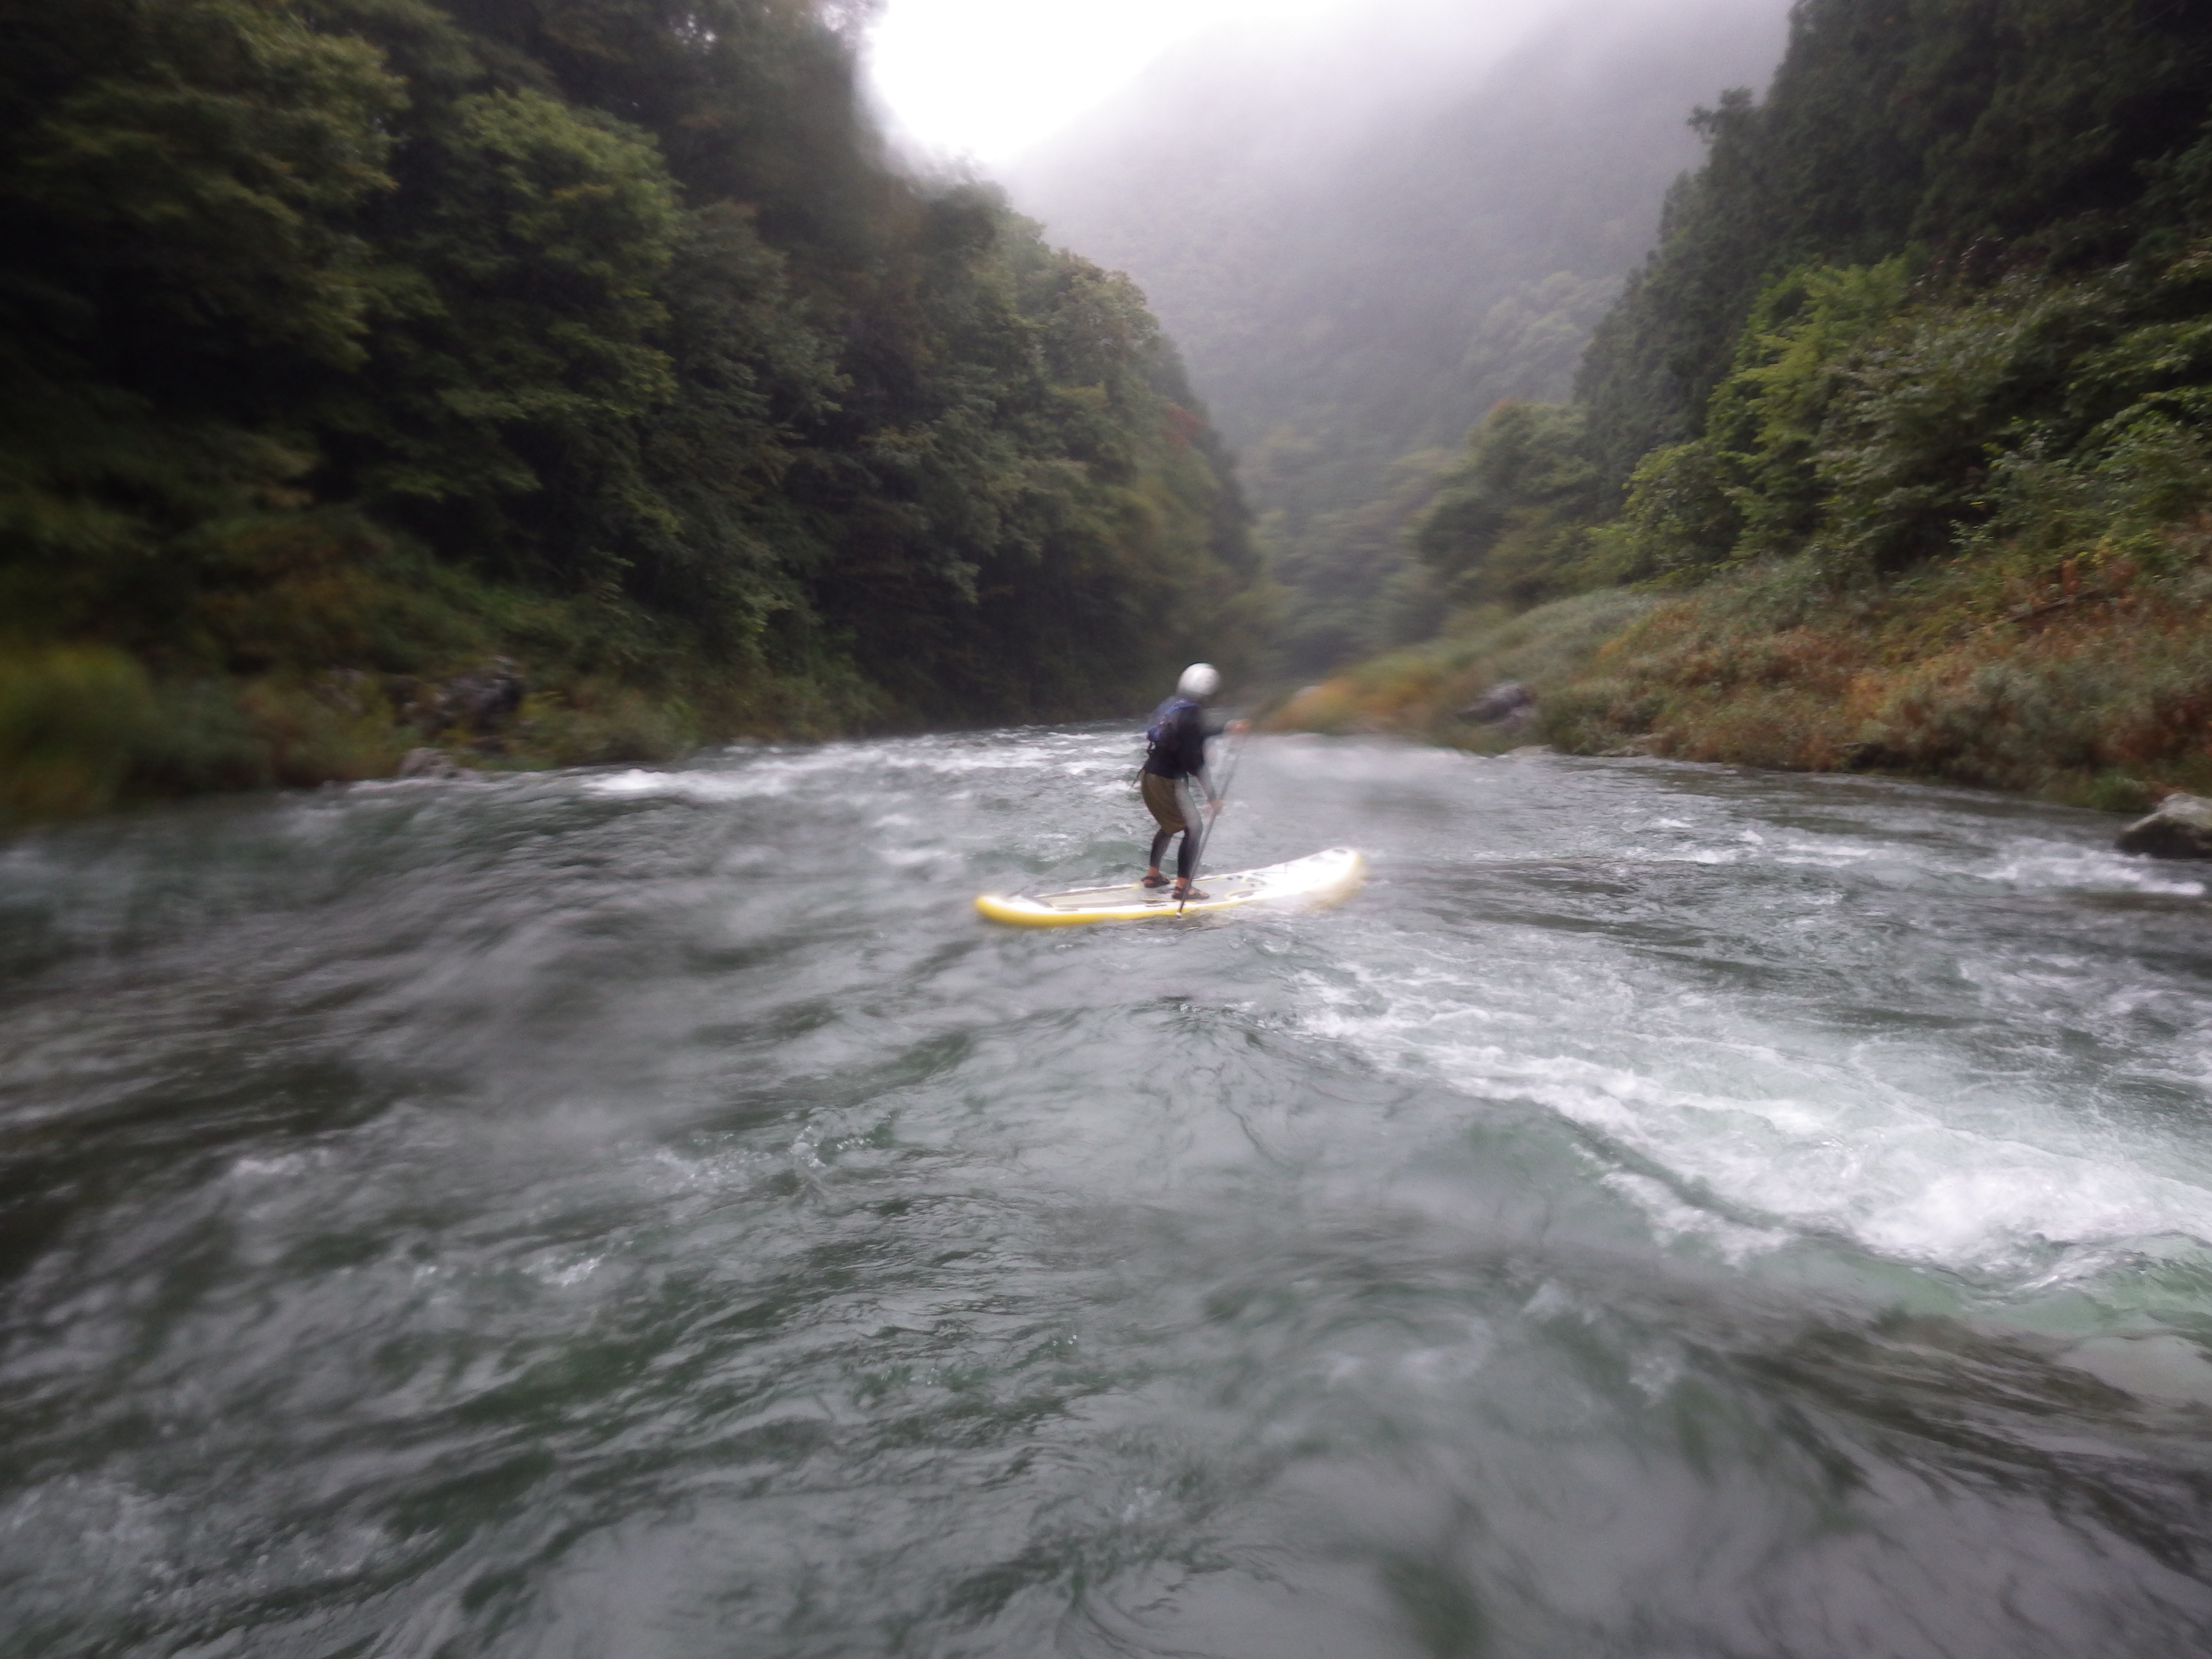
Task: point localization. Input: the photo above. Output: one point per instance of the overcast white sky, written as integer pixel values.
(986, 79)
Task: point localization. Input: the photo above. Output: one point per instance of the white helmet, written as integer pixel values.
(1200, 680)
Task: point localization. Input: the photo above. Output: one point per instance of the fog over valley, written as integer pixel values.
(1364, 230)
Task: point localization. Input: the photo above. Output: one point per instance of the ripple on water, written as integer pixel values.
(1671, 1211)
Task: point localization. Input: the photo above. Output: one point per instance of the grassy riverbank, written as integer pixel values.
(333, 653)
(1422, 690)
(84, 728)
(2087, 680)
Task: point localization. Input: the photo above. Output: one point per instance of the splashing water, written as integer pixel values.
(1672, 1212)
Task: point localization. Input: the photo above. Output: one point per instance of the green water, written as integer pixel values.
(1670, 1212)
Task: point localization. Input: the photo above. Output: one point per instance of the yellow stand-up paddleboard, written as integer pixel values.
(1319, 879)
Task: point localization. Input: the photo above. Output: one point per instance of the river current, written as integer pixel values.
(1672, 1212)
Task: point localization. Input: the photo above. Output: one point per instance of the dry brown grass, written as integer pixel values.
(2087, 680)
(1419, 691)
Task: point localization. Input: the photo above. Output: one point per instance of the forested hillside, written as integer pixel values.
(1364, 235)
(370, 365)
(1904, 430)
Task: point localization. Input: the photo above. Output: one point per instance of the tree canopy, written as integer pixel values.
(363, 335)
(1941, 290)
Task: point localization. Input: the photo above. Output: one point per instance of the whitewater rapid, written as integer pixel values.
(1672, 1210)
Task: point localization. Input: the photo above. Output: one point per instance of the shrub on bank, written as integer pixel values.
(2086, 679)
(73, 720)
(1423, 690)
(2086, 682)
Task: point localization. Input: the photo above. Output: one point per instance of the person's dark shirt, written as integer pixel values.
(1181, 751)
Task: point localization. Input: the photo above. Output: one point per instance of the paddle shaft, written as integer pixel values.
(1221, 795)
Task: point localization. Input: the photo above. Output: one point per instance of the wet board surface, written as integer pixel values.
(1325, 877)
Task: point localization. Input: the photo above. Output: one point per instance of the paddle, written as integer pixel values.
(1213, 810)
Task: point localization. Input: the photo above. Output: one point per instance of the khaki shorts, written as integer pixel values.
(1168, 800)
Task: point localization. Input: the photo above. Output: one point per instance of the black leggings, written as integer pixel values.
(1190, 828)
(1185, 859)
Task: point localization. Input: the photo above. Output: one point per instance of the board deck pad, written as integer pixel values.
(1326, 878)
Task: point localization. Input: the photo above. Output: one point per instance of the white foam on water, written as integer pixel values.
(1894, 1146)
(288, 1163)
(689, 786)
(1887, 1172)
(916, 858)
(565, 1273)
(2045, 865)
(867, 769)
(1677, 1222)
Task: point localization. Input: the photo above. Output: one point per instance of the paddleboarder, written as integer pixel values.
(1175, 775)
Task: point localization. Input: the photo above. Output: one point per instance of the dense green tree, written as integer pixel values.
(1992, 135)
(1946, 266)
(1509, 522)
(342, 334)
(177, 190)
(502, 407)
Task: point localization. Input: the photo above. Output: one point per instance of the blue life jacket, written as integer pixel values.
(1162, 718)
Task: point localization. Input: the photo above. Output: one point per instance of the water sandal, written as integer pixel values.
(1191, 896)
(1155, 881)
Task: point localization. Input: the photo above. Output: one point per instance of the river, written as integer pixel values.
(1672, 1212)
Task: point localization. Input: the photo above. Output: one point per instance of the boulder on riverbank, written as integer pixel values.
(2181, 828)
(483, 702)
(432, 765)
(1507, 703)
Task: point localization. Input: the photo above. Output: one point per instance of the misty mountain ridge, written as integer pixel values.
(1894, 455)
(1364, 232)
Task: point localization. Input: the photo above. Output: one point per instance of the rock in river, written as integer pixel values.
(2181, 828)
